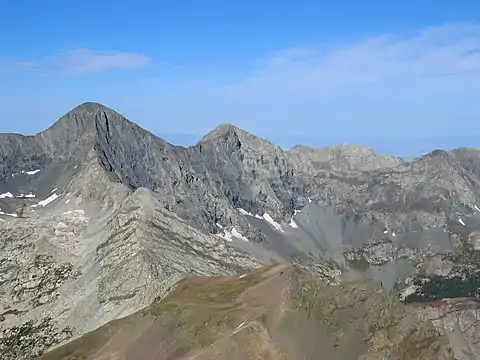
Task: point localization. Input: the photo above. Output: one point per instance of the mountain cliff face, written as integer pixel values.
(230, 168)
(99, 218)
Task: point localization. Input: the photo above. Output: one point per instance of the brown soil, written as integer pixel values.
(275, 313)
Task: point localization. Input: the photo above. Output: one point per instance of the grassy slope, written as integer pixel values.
(275, 313)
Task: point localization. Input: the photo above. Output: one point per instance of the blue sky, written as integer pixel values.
(401, 76)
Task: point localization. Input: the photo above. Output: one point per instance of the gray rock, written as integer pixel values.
(114, 216)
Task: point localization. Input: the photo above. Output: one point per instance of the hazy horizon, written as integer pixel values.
(402, 78)
(402, 146)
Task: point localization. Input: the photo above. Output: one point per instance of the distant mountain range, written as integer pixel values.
(407, 147)
(100, 219)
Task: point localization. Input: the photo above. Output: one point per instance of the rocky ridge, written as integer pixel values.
(66, 274)
(105, 199)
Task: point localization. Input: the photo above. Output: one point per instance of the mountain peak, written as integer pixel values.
(90, 107)
(78, 118)
(86, 113)
(224, 129)
(82, 122)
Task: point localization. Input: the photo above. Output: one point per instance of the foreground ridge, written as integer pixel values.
(273, 313)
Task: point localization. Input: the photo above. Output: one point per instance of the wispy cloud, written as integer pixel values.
(424, 83)
(81, 61)
(438, 59)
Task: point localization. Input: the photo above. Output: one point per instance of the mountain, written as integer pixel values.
(344, 157)
(100, 218)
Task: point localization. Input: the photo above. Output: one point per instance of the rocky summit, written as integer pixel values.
(115, 244)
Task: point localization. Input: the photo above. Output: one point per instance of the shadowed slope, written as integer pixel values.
(231, 168)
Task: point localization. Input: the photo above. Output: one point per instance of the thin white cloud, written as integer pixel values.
(443, 58)
(81, 61)
(26, 65)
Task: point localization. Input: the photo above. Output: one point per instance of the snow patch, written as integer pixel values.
(238, 235)
(12, 215)
(244, 212)
(385, 231)
(393, 234)
(242, 276)
(32, 172)
(6, 195)
(258, 216)
(220, 226)
(228, 236)
(476, 208)
(272, 222)
(66, 202)
(293, 224)
(2, 220)
(80, 212)
(47, 200)
(461, 222)
(54, 190)
(26, 196)
(309, 200)
(295, 212)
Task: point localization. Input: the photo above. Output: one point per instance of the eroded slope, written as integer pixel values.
(69, 272)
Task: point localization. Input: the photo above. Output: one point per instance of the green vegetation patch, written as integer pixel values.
(438, 288)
